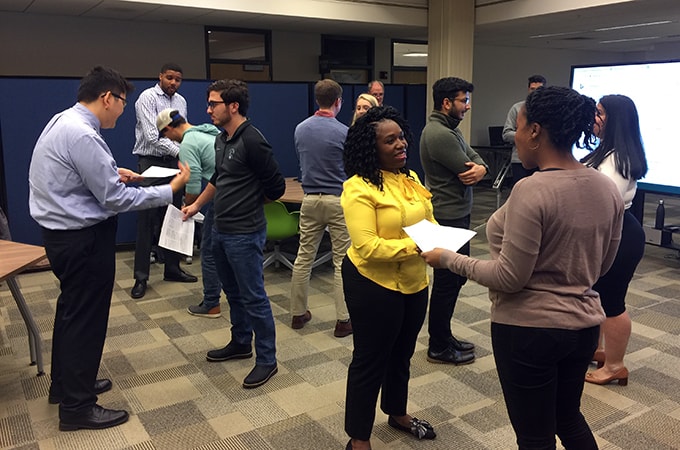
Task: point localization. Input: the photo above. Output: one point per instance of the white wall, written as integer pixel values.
(295, 56)
(36, 45)
(500, 79)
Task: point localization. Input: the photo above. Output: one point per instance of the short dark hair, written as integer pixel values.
(566, 115)
(326, 92)
(171, 66)
(449, 88)
(232, 91)
(100, 80)
(360, 156)
(537, 79)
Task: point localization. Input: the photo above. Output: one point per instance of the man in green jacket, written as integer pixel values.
(451, 167)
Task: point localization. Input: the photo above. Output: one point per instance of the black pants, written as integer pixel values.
(149, 222)
(84, 261)
(445, 289)
(386, 324)
(613, 285)
(542, 372)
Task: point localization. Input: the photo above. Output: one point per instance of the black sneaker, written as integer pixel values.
(259, 376)
(461, 345)
(231, 351)
(450, 356)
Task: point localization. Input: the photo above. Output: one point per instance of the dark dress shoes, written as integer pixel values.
(100, 386)
(231, 351)
(461, 345)
(259, 376)
(139, 289)
(180, 276)
(450, 356)
(96, 418)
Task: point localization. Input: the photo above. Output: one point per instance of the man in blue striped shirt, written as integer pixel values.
(155, 150)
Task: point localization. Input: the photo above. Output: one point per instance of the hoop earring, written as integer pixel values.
(535, 147)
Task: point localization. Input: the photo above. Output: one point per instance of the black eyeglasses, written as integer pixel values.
(119, 98)
(211, 104)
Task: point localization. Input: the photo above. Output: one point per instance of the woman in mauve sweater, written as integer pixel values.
(557, 233)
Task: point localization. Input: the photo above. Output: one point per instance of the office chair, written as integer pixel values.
(281, 225)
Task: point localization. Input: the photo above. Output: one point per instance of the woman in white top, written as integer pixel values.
(621, 156)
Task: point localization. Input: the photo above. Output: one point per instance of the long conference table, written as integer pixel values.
(15, 259)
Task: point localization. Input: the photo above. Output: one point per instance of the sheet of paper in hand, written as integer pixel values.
(429, 236)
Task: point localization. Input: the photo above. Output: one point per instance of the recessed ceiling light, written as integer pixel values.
(635, 25)
(415, 54)
(565, 33)
(614, 41)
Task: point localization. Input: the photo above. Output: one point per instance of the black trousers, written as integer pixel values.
(613, 286)
(542, 371)
(445, 289)
(84, 262)
(149, 222)
(386, 324)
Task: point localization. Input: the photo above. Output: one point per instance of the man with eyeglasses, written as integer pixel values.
(155, 150)
(451, 168)
(75, 193)
(377, 89)
(246, 177)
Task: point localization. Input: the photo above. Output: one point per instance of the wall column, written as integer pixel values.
(451, 29)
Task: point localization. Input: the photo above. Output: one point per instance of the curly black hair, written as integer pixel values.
(360, 154)
(567, 116)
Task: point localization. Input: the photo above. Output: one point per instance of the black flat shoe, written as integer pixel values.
(461, 345)
(139, 289)
(419, 428)
(100, 386)
(95, 419)
(181, 277)
(451, 356)
(349, 445)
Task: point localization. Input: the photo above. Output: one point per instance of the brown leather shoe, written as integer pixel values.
(343, 329)
(300, 321)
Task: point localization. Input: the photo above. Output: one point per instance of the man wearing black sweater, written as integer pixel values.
(246, 177)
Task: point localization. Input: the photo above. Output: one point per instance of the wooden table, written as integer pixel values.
(14, 259)
(293, 192)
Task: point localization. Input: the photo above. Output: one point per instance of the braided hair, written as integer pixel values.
(567, 116)
(360, 153)
(621, 136)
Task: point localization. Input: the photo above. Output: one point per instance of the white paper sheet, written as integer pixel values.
(159, 172)
(429, 236)
(177, 234)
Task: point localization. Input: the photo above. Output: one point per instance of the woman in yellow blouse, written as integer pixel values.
(384, 279)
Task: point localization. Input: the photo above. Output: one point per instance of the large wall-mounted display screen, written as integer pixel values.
(655, 89)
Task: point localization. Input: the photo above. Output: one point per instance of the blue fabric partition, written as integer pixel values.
(275, 108)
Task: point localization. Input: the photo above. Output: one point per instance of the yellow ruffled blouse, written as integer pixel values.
(381, 250)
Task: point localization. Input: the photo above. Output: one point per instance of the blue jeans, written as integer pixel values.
(239, 259)
(211, 280)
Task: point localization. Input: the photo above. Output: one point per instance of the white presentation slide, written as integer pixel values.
(655, 90)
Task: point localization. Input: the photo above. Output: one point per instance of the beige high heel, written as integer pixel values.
(621, 377)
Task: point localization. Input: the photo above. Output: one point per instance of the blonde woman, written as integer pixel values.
(364, 103)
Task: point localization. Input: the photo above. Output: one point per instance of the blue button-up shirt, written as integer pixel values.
(73, 178)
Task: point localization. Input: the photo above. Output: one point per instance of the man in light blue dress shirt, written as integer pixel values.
(76, 191)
